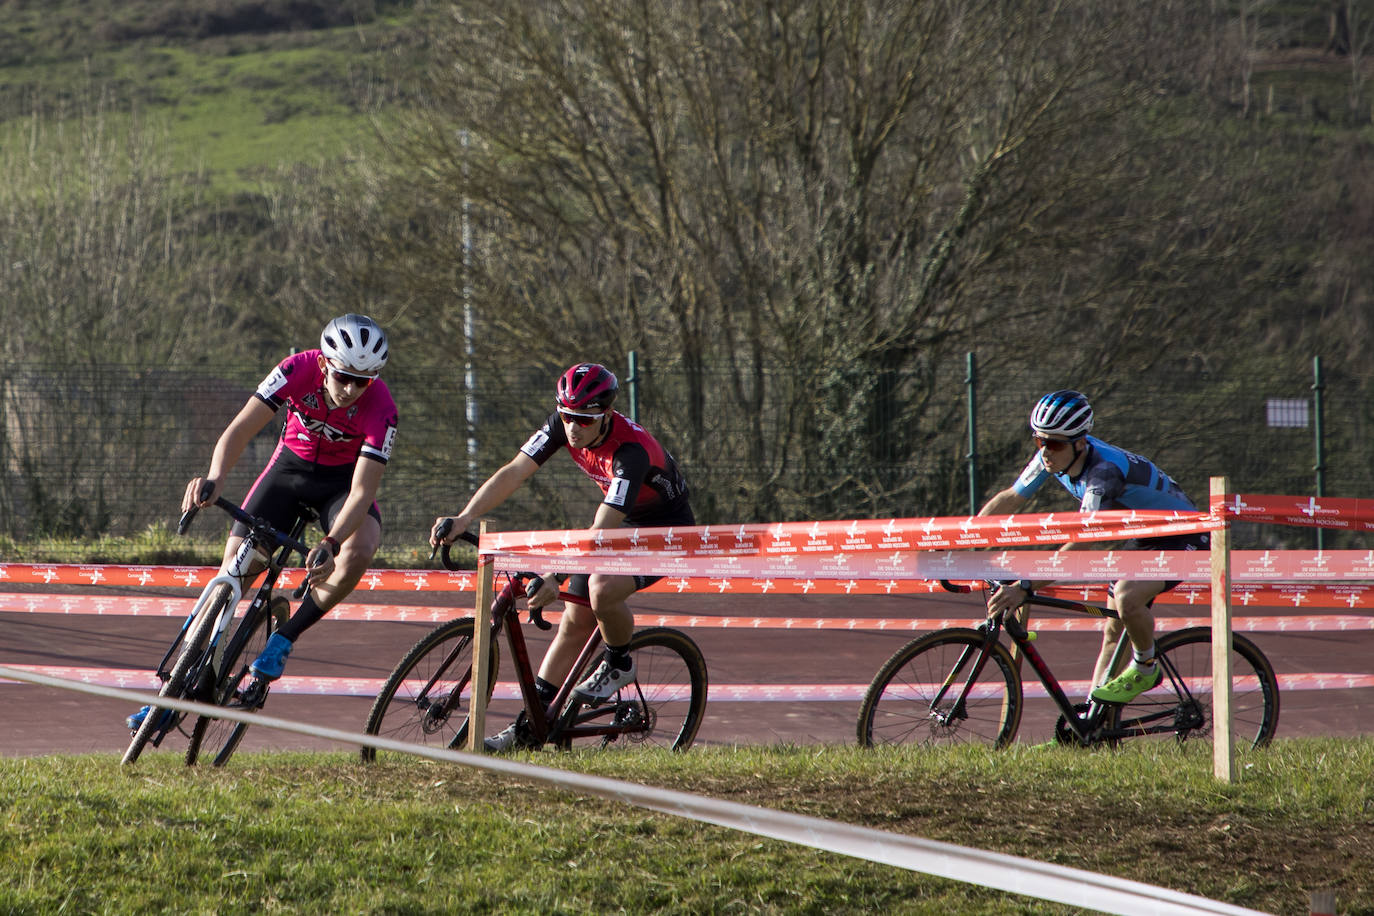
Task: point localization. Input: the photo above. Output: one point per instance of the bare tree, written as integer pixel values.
(810, 208)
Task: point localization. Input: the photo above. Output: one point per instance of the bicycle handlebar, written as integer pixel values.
(262, 528)
(1042, 600)
(534, 583)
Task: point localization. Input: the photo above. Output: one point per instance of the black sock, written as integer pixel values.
(306, 616)
(618, 656)
(544, 690)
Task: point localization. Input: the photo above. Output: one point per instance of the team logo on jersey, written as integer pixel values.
(311, 401)
(323, 429)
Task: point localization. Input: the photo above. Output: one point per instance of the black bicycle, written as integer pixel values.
(425, 699)
(203, 663)
(962, 686)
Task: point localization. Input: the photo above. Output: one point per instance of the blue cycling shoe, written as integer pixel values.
(137, 718)
(272, 662)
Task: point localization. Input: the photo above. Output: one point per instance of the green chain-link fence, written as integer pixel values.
(108, 449)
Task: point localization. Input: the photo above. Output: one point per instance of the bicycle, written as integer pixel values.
(210, 668)
(426, 697)
(961, 685)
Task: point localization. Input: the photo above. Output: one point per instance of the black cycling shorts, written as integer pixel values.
(290, 482)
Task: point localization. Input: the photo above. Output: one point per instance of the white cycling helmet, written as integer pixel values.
(355, 342)
(1064, 413)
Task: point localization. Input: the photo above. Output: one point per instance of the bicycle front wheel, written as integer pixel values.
(217, 739)
(662, 708)
(181, 682)
(915, 697)
(1181, 706)
(425, 700)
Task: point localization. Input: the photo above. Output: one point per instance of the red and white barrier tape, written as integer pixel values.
(1302, 511)
(305, 685)
(120, 606)
(839, 574)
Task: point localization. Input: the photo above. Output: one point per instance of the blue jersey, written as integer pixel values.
(1111, 479)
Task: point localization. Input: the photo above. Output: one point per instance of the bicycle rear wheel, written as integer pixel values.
(1181, 706)
(425, 700)
(913, 697)
(217, 739)
(662, 708)
(182, 681)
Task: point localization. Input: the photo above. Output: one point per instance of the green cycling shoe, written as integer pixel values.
(1129, 684)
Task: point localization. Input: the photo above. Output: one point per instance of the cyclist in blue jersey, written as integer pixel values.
(1100, 476)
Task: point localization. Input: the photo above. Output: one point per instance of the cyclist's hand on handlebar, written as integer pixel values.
(320, 563)
(446, 530)
(200, 492)
(541, 592)
(1008, 597)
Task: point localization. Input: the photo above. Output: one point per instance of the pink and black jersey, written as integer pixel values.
(314, 433)
(636, 474)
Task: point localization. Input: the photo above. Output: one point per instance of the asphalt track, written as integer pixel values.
(39, 720)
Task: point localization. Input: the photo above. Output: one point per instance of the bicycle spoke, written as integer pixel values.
(923, 694)
(425, 700)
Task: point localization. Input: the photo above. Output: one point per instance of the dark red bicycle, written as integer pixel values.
(426, 698)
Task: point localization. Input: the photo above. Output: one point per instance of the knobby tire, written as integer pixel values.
(406, 710)
(900, 705)
(1255, 691)
(665, 705)
(179, 682)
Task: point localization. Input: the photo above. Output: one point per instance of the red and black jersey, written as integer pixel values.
(636, 474)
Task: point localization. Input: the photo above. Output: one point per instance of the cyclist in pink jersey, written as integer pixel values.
(642, 486)
(334, 448)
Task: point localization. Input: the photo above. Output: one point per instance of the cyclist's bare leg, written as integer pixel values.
(608, 610)
(1132, 601)
(573, 630)
(355, 556)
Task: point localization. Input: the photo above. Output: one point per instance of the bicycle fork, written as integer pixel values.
(958, 709)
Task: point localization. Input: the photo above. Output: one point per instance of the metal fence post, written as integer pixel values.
(971, 379)
(1320, 467)
(633, 383)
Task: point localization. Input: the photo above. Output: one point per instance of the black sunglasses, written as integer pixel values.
(346, 378)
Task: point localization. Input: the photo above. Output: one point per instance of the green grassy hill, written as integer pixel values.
(241, 89)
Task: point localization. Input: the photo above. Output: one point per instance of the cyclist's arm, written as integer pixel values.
(1005, 503)
(362, 493)
(496, 490)
(250, 421)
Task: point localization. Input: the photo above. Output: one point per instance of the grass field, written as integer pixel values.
(320, 833)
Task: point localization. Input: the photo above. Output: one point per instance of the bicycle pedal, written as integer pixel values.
(254, 695)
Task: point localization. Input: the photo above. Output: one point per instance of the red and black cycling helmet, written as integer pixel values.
(587, 386)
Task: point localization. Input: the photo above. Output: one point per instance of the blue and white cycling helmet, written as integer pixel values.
(1064, 413)
(355, 342)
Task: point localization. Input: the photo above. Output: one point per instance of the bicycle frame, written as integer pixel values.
(505, 616)
(1086, 725)
(261, 543)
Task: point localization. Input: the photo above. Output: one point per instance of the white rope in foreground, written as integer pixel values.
(1040, 880)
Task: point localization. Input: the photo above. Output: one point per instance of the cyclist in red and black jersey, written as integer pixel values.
(642, 486)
